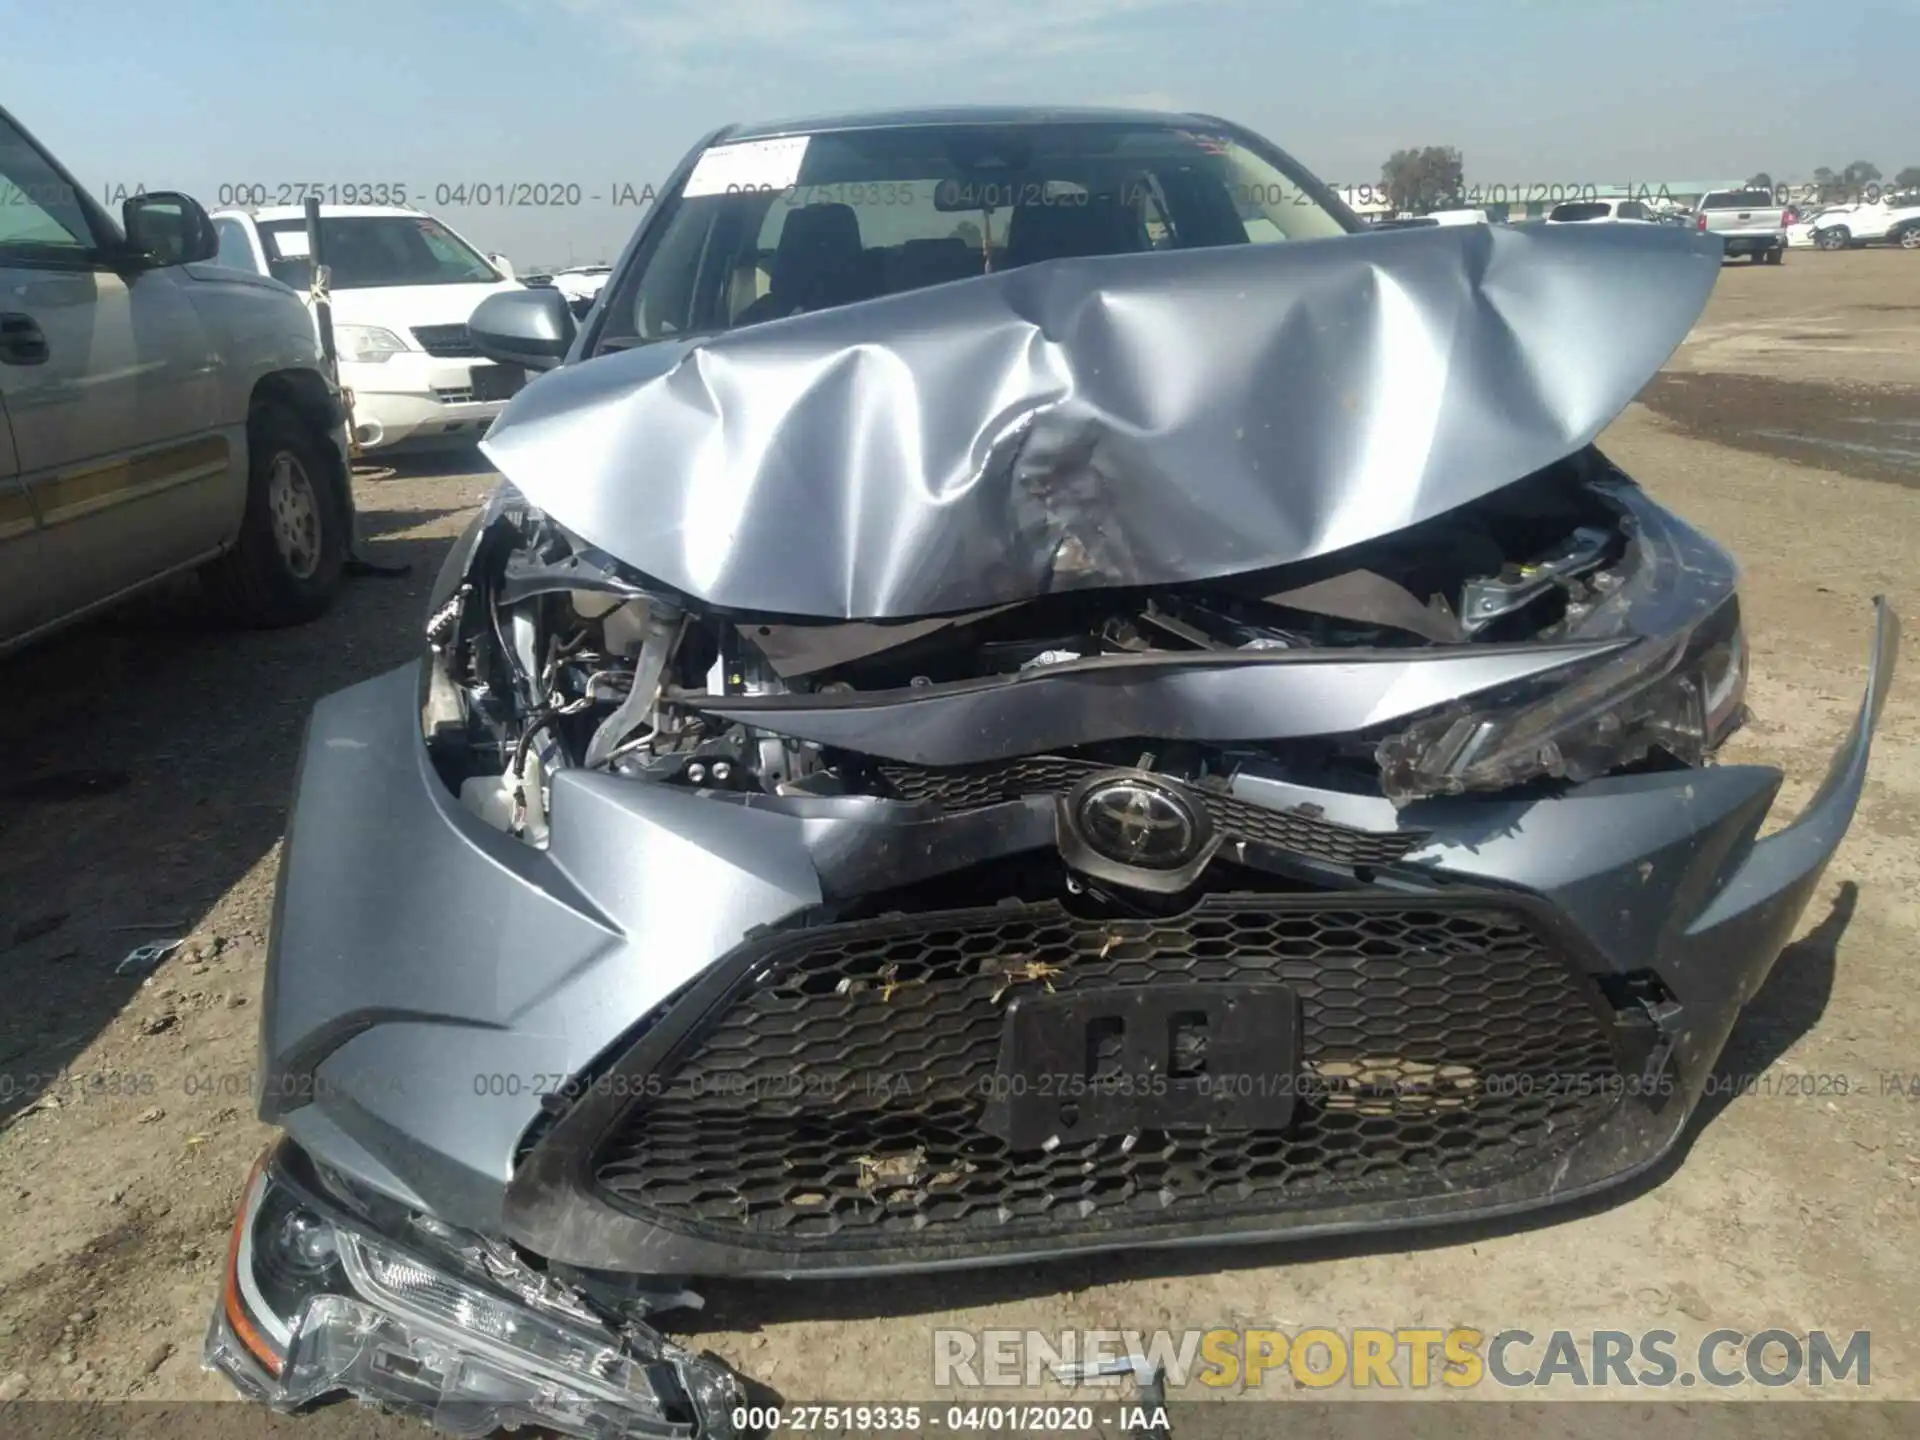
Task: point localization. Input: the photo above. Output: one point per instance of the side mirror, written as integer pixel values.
(502, 264)
(168, 228)
(533, 328)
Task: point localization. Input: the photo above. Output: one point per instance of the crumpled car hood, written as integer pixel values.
(1122, 420)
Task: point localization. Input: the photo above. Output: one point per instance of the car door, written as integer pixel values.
(112, 410)
(22, 581)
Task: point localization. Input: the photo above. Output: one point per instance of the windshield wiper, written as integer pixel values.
(634, 342)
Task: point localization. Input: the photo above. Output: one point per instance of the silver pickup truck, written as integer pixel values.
(1748, 222)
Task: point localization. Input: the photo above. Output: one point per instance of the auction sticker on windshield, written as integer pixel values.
(750, 165)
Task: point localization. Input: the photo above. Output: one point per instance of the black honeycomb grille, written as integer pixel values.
(447, 341)
(963, 787)
(834, 1100)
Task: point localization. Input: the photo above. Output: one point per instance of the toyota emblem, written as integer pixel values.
(1137, 822)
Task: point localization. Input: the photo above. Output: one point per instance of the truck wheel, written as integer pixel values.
(286, 565)
(1774, 257)
(1835, 237)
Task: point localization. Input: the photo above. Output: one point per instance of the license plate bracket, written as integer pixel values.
(1091, 1063)
(496, 382)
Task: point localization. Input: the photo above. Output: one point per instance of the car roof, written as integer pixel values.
(267, 213)
(960, 115)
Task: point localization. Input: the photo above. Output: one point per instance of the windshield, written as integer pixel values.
(1740, 200)
(366, 252)
(781, 227)
(1581, 210)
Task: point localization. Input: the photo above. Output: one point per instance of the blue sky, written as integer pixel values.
(194, 94)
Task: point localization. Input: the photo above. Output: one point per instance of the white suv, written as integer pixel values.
(403, 285)
(1601, 212)
(1890, 220)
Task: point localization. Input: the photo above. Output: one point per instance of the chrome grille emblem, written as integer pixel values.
(1137, 822)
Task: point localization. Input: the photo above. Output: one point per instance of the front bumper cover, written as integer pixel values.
(417, 399)
(434, 984)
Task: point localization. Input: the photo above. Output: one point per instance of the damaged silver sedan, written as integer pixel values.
(1025, 692)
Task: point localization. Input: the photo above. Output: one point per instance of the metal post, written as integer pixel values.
(323, 322)
(317, 287)
(319, 291)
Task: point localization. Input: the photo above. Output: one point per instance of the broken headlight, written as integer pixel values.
(1681, 695)
(318, 1302)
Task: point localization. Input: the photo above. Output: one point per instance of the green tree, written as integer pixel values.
(1860, 174)
(1829, 185)
(1425, 179)
(1908, 178)
(1760, 181)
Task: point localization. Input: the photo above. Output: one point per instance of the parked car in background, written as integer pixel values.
(1800, 231)
(1748, 222)
(1891, 220)
(581, 284)
(158, 413)
(1600, 212)
(1458, 217)
(403, 284)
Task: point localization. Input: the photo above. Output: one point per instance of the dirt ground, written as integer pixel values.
(148, 763)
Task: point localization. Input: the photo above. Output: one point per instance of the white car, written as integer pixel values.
(581, 284)
(1888, 221)
(403, 286)
(1458, 217)
(1601, 212)
(1800, 233)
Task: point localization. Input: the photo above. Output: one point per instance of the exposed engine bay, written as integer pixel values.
(551, 654)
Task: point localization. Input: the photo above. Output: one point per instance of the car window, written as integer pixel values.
(1632, 210)
(878, 212)
(236, 250)
(1582, 210)
(373, 251)
(40, 215)
(1739, 200)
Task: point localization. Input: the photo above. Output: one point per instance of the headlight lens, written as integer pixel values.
(1682, 694)
(316, 1303)
(367, 344)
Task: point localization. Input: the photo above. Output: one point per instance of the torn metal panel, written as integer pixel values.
(796, 650)
(1109, 421)
(1265, 697)
(1372, 599)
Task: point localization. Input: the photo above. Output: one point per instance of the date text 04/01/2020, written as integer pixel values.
(1008, 1420)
